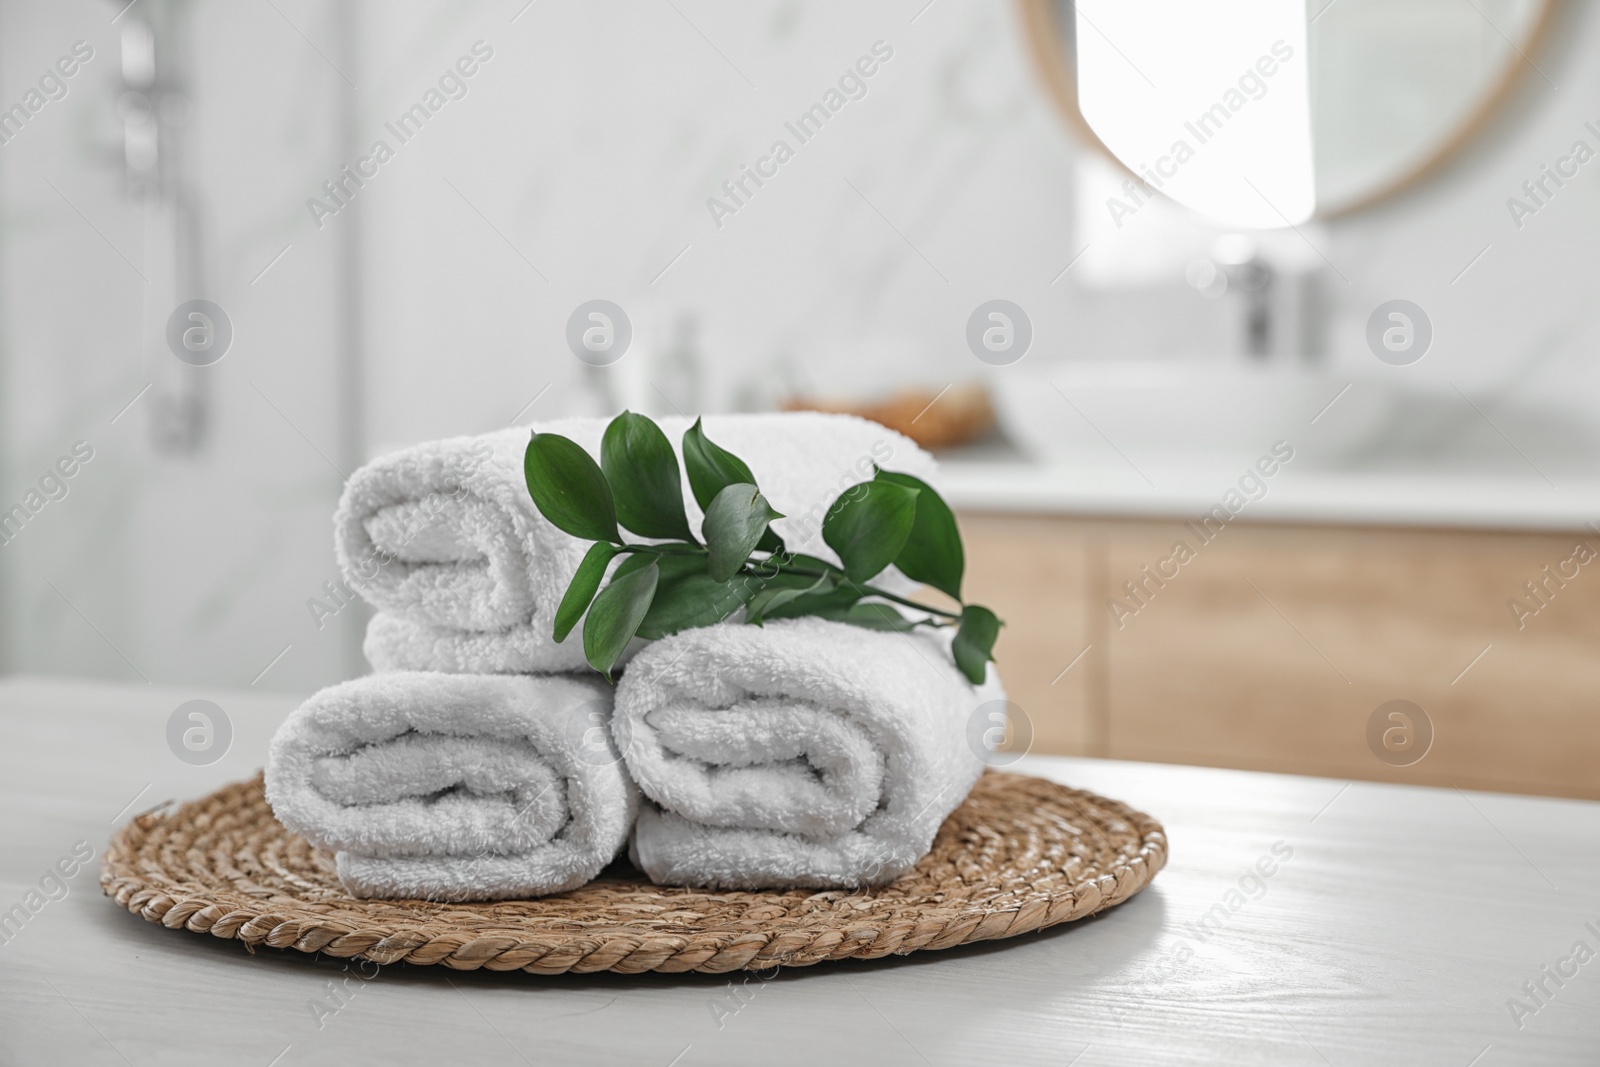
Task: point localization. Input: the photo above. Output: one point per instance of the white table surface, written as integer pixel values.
(1396, 933)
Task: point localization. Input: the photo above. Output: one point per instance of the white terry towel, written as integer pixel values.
(799, 753)
(444, 540)
(455, 787)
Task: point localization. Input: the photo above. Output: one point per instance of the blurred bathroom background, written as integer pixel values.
(576, 162)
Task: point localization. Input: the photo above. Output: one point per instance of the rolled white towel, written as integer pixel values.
(455, 786)
(799, 753)
(444, 540)
(394, 643)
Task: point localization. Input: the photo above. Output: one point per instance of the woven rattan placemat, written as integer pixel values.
(1020, 854)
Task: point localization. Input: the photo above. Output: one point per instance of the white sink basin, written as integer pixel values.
(1174, 415)
(1194, 418)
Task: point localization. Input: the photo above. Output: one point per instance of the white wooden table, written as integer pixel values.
(1398, 931)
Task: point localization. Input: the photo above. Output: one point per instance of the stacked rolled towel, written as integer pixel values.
(456, 787)
(799, 753)
(445, 541)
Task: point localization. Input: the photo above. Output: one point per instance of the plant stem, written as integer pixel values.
(835, 572)
(670, 549)
(872, 590)
(680, 549)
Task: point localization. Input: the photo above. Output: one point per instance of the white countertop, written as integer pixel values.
(1397, 498)
(1394, 931)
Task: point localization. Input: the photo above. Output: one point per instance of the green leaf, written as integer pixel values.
(973, 646)
(869, 525)
(735, 521)
(932, 553)
(636, 561)
(873, 616)
(826, 602)
(687, 596)
(569, 489)
(770, 541)
(638, 463)
(711, 468)
(616, 613)
(814, 563)
(773, 593)
(582, 588)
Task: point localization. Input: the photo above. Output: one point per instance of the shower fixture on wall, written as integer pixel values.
(157, 167)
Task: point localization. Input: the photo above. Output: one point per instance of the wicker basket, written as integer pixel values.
(1020, 854)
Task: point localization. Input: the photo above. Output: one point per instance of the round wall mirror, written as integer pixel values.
(1347, 102)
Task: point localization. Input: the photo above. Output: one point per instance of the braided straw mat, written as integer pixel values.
(1020, 854)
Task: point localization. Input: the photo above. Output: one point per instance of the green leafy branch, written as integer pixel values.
(739, 562)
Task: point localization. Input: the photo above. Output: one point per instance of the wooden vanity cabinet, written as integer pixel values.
(1270, 647)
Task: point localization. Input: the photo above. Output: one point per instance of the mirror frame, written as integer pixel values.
(1048, 45)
